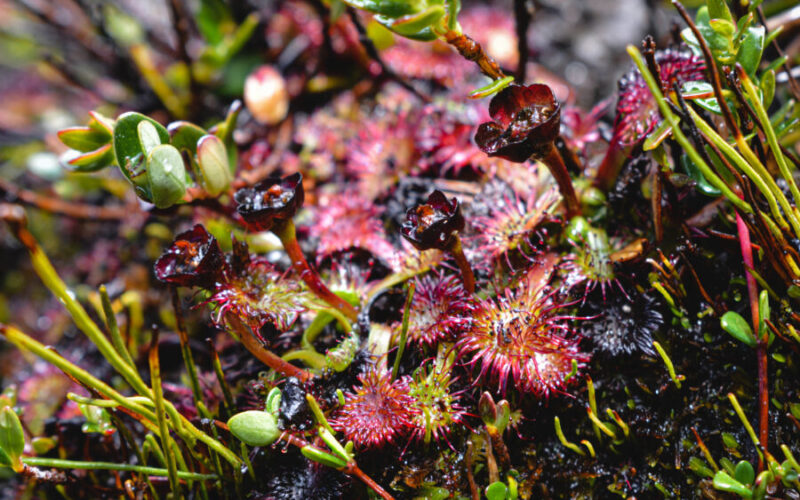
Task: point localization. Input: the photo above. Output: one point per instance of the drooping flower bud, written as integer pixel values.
(433, 224)
(194, 259)
(526, 122)
(271, 200)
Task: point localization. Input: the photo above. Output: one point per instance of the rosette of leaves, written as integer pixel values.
(151, 156)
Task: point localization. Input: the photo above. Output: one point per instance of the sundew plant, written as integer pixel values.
(399, 249)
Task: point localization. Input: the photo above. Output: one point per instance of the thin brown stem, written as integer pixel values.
(711, 67)
(372, 53)
(63, 207)
(522, 20)
(559, 171)
(655, 201)
(287, 235)
(472, 50)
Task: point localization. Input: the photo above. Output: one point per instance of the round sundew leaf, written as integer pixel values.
(254, 428)
(166, 175)
(733, 323)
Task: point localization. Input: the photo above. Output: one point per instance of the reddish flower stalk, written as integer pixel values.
(270, 205)
(266, 356)
(286, 233)
(761, 346)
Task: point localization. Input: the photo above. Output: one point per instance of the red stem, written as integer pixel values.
(288, 237)
(761, 346)
(559, 171)
(463, 264)
(266, 356)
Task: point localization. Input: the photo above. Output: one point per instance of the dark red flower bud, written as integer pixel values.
(433, 224)
(194, 259)
(526, 122)
(271, 200)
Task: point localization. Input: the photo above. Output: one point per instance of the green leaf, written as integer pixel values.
(184, 136)
(719, 9)
(497, 491)
(724, 482)
(254, 428)
(83, 139)
(723, 27)
(166, 175)
(693, 91)
(273, 402)
(700, 467)
(391, 9)
(224, 130)
(503, 415)
(101, 123)
(210, 18)
(750, 50)
(733, 323)
(93, 160)
(657, 136)
(744, 472)
(719, 44)
(492, 88)
(212, 160)
(148, 136)
(414, 23)
(767, 87)
(320, 456)
(12, 438)
(128, 149)
(701, 183)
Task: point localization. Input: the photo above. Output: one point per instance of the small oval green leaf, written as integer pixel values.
(744, 472)
(254, 428)
(166, 175)
(212, 161)
(497, 491)
(273, 403)
(733, 323)
(148, 136)
(749, 54)
(127, 146)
